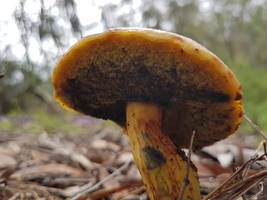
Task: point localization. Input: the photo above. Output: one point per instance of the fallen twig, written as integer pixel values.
(15, 196)
(256, 127)
(186, 181)
(236, 190)
(96, 186)
(24, 187)
(229, 182)
(230, 189)
(107, 192)
(31, 173)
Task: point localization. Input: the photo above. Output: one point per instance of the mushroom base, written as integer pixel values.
(161, 164)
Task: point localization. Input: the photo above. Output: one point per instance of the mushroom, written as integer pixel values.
(159, 87)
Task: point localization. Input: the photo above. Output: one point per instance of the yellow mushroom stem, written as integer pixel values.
(161, 164)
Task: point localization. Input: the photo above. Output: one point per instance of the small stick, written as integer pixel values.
(186, 181)
(96, 186)
(100, 194)
(239, 188)
(226, 183)
(260, 146)
(256, 127)
(14, 197)
(228, 180)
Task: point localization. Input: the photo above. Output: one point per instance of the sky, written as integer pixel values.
(88, 11)
(10, 35)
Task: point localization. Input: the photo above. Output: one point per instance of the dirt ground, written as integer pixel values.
(60, 166)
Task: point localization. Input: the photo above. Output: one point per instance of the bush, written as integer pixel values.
(254, 83)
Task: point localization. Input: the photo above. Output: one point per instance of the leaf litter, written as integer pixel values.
(98, 165)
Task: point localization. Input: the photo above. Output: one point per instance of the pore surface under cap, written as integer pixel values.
(196, 91)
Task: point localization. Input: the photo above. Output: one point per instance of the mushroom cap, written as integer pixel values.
(194, 88)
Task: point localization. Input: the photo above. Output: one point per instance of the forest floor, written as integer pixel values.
(62, 166)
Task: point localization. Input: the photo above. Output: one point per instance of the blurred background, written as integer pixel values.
(34, 34)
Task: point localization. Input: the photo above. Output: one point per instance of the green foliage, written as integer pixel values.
(17, 80)
(254, 84)
(52, 122)
(22, 77)
(40, 121)
(6, 125)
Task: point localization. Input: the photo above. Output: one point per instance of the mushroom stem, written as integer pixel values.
(161, 164)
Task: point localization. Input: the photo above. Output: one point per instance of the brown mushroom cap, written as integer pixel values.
(195, 89)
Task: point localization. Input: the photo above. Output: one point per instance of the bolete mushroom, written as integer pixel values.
(158, 86)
